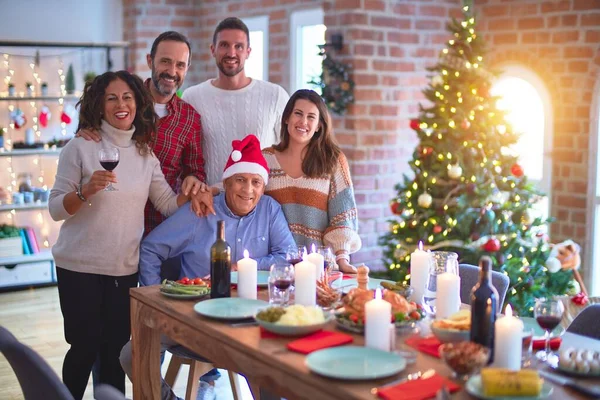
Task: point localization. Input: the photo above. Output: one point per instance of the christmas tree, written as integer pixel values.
(468, 193)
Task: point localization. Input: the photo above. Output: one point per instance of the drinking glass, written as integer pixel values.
(327, 254)
(439, 262)
(109, 159)
(547, 312)
(526, 349)
(294, 254)
(281, 278)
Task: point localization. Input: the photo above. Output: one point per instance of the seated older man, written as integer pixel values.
(252, 221)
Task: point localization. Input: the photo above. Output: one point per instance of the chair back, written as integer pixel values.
(36, 377)
(586, 322)
(469, 276)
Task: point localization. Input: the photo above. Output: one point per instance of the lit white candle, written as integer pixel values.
(317, 259)
(378, 315)
(419, 272)
(448, 295)
(508, 337)
(247, 276)
(305, 283)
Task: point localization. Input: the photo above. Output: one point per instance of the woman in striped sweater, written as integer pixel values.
(311, 180)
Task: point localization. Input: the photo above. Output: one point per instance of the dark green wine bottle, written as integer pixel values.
(484, 306)
(220, 265)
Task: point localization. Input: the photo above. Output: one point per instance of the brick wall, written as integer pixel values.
(560, 41)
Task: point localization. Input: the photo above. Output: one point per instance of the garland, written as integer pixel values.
(337, 87)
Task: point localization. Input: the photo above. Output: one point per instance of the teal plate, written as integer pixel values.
(229, 308)
(262, 278)
(474, 387)
(354, 362)
(529, 323)
(349, 284)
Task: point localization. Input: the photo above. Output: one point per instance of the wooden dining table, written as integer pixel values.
(266, 363)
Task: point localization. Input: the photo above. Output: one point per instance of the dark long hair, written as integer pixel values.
(91, 107)
(322, 153)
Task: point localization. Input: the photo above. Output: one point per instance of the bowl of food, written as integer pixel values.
(464, 358)
(295, 320)
(456, 328)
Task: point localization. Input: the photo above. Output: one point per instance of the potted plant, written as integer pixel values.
(1, 137)
(29, 88)
(70, 80)
(11, 243)
(44, 88)
(11, 89)
(89, 76)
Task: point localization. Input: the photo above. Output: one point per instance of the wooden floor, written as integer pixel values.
(34, 317)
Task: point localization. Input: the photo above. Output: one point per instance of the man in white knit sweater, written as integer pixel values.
(234, 105)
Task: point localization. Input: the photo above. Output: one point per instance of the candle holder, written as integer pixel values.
(439, 263)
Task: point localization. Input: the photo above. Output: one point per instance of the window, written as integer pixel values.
(527, 102)
(592, 273)
(307, 32)
(257, 65)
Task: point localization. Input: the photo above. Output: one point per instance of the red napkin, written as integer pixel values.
(428, 345)
(539, 344)
(346, 276)
(265, 334)
(419, 389)
(319, 340)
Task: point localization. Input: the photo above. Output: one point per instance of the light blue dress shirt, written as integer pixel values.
(264, 232)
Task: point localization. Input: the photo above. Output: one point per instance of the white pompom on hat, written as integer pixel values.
(246, 158)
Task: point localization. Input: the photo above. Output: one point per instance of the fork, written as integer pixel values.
(410, 377)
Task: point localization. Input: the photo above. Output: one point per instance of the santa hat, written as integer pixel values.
(246, 158)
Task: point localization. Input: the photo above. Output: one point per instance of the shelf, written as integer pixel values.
(29, 152)
(42, 256)
(72, 97)
(99, 45)
(23, 207)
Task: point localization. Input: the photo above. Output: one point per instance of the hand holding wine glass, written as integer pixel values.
(109, 159)
(547, 313)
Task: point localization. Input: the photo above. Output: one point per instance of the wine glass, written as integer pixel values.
(294, 254)
(547, 312)
(281, 277)
(325, 251)
(109, 159)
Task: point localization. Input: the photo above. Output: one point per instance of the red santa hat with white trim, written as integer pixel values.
(246, 158)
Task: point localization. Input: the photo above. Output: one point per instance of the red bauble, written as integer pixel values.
(395, 206)
(437, 229)
(414, 124)
(466, 124)
(517, 170)
(491, 246)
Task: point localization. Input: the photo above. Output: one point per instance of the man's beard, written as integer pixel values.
(230, 72)
(162, 90)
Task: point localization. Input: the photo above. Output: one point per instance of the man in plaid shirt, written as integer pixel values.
(179, 132)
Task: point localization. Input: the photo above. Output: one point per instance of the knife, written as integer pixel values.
(593, 391)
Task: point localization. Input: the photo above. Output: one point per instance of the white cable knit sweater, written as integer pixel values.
(232, 114)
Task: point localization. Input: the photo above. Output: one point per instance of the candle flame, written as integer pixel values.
(421, 245)
(246, 254)
(313, 249)
(378, 294)
(508, 311)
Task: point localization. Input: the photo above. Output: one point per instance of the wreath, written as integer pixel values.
(337, 87)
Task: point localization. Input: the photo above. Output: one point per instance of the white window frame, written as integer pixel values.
(298, 19)
(591, 273)
(261, 23)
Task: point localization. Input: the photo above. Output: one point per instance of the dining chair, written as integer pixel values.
(37, 379)
(469, 276)
(198, 367)
(586, 322)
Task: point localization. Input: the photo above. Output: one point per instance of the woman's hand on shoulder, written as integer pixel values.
(202, 203)
(346, 267)
(99, 181)
(89, 134)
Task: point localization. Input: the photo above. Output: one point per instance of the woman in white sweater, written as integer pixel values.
(97, 249)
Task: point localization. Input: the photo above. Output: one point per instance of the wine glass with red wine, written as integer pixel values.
(109, 159)
(281, 278)
(294, 254)
(548, 314)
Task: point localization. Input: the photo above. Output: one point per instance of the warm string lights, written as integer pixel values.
(63, 92)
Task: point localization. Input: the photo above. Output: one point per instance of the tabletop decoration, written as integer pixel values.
(448, 289)
(247, 277)
(418, 389)
(419, 272)
(317, 259)
(306, 283)
(508, 337)
(378, 314)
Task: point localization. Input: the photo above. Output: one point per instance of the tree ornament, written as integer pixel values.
(396, 208)
(465, 124)
(426, 151)
(492, 245)
(70, 80)
(553, 265)
(64, 117)
(437, 229)
(455, 171)
(516, 170)
(475, 236)
(437, 80)
(414, 124)
(425, 200)
(44, 116)
(527, 217)
(471, 188)
(17, 117)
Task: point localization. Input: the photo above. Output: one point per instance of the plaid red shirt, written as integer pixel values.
(179, 149)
